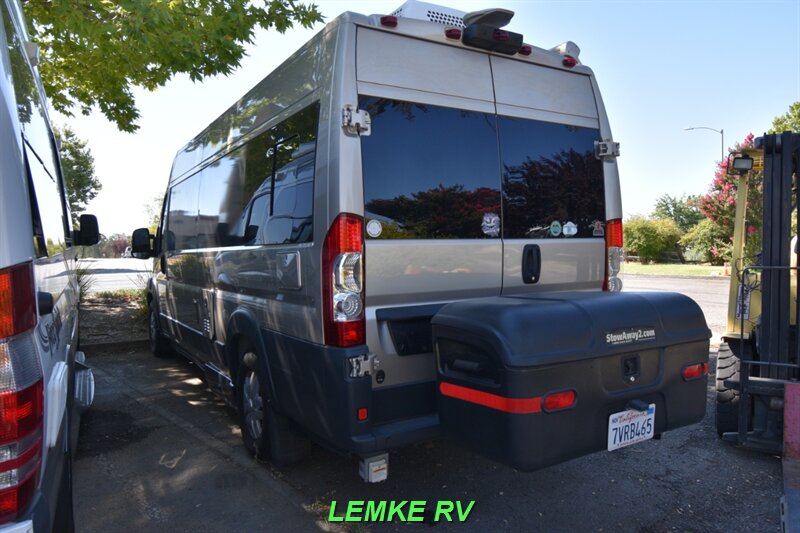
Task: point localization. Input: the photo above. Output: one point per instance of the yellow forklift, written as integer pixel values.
(758, 365)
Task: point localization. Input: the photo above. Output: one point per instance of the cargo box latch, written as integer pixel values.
(356, 121)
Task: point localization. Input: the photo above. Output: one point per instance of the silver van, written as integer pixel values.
(44, 384)
(395, 164)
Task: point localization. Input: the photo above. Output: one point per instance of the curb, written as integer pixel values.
(624, 274)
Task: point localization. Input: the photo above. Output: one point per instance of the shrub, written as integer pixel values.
(708, 241)
(650, 238)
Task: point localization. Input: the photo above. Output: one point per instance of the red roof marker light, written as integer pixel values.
(390, 21)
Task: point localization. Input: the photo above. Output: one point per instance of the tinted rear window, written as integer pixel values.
(432, 172)
(429, 172)
(551, 180)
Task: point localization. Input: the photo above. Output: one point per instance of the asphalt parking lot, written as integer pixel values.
(158, 451)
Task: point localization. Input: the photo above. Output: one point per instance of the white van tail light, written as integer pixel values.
(612, 283)
(17, 300)
(343, 281)
(21, 395)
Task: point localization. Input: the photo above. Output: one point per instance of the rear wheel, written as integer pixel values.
(267, 434)
(158, 344)
(727, 416)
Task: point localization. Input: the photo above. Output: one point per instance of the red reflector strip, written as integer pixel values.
(695, 371)
(493, 401)
(558, 401)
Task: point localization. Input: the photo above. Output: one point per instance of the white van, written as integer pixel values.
(43, 382)
(316, 237)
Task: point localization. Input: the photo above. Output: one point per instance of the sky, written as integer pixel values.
(662, 67)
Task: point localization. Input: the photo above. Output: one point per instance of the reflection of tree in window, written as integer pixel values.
(430, 172)
(565, 187)
(550, 174)
(438, 213)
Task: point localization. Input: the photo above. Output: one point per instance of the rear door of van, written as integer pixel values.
(432, 201)
(553, 188)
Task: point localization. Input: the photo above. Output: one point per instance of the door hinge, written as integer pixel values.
(606, 149)
(363, 365)
(356, 121)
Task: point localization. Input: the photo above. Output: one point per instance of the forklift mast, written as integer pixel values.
(768, 351)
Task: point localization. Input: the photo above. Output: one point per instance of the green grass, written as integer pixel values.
(136, 296)
(127, 295)
(669, 269)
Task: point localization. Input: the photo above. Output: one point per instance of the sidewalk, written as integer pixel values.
(190, 478)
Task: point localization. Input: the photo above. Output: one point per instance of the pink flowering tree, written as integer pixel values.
(713, 238)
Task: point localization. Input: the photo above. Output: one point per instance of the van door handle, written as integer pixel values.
(531, 263)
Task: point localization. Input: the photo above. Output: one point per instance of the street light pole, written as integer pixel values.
(721, 139)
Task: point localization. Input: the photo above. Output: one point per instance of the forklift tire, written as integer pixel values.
(727, 415)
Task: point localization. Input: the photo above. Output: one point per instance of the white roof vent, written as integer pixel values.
(431, 12)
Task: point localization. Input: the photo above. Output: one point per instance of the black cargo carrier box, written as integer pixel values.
(535, 380)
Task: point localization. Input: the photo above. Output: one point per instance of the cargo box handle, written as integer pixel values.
(531, 263)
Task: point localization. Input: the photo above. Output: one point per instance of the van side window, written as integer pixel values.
(221, 201)
(430, 172)
(263, 192)
(277, 184)
(49, 228)
(550, 174)
(182, 219)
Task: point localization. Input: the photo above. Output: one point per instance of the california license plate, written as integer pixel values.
(629, 427)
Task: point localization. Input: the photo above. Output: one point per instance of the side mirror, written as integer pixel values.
(89, 233)
(141, 246)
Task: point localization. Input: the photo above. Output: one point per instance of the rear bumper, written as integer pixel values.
(312, 386)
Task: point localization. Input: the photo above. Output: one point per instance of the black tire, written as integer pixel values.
(727, 415)
(267, 434)
(159, 345)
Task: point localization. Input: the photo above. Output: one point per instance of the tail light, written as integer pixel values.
(21, 393)
(17, 304)
(695, 371)
(614, 243)
(343, 282)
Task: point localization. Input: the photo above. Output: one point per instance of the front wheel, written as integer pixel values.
(158, 344)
